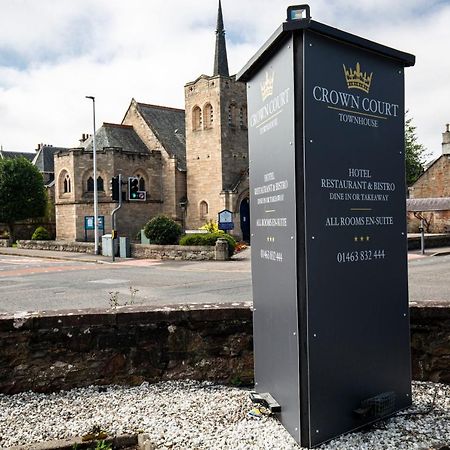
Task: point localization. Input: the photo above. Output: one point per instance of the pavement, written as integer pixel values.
(86, 257)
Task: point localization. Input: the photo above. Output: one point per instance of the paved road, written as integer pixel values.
(37, 284)
(429, 279)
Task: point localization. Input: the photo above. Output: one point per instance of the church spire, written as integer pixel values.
(220, 57)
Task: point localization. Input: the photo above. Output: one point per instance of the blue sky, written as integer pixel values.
(54, 52)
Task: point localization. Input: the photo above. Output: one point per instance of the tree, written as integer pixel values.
(415, 153)
(22, 192)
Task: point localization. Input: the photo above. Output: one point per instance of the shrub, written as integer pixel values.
(162, 230)
(40, 234)
(211, 227)
(208, 239)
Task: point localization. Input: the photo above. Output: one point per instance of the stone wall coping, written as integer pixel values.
(28, 320)
(432, 309)
(188, 248)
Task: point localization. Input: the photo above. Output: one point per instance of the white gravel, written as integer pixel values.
(191, 415)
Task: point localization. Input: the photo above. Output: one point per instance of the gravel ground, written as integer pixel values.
(192, 415)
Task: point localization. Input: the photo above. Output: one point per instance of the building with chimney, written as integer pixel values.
(429, 196)
(191, 163)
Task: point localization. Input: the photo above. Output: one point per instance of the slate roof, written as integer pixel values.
(428, 204)
(168, 125)
(112, 135)
(44, 161)
(8, 155)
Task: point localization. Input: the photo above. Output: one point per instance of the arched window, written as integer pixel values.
(196, 118)
(208, 114)
(90, 184)
(243, 117)
(203, 209)
(232, 115)
(100, 186)
(141, 183)
(67, 187)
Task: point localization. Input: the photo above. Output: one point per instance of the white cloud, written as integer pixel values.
(53, 53)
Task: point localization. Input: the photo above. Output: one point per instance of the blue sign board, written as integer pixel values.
(226, 220)
(89, 222)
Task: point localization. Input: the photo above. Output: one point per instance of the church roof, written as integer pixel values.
(112, 135)
(43, 160)
(8, 155)
(168, 126)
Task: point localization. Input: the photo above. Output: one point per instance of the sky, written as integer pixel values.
(55, 52)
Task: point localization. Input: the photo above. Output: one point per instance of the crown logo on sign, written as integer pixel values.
(267, 85)
(356, 79)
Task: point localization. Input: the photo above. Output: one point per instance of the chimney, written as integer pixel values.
(84, 138)
(446, 141)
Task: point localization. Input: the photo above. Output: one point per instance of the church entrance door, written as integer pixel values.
(244, 211)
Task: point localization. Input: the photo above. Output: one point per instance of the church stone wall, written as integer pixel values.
(172, 192)
(234, 137)
(217, 152)
(71, 208)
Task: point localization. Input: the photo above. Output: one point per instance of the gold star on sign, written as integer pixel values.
(355, 239)
(367, 238)
(361, 238)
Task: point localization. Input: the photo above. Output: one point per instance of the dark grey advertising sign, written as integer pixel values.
(329, 255)
(355, 233)
(272, 202)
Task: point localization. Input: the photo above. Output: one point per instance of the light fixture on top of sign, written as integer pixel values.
(298, 12)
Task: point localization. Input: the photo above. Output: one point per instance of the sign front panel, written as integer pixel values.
(357, 301)
(272, 186)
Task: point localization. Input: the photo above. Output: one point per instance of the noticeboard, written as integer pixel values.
(225, 220)
(89, 222)
(329, 267)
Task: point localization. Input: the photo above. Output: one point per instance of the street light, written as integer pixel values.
(95, 180)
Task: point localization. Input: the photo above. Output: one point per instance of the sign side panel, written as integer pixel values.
(272, 188)
(355, 232)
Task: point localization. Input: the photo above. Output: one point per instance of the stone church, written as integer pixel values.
(191, 163)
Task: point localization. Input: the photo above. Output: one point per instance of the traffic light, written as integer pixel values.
(133, 188)
(115, 188)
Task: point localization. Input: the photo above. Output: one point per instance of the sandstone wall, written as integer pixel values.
(48, 351)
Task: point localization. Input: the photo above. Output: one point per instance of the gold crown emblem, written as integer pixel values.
(358, 80)
(267, 85)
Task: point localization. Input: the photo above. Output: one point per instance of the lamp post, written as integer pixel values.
(94, 158)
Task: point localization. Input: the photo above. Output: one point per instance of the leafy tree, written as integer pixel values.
(22, 192)
(415, 153)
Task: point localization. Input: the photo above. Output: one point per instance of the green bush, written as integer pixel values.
(40, 234)
(162, 230)
(208, 239)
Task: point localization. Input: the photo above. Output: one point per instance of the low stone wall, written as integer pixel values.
(173, 252)
(430, 341)
(5, 243)
(48, 351)
(144, 251)
(431, 241)
(61, 246)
